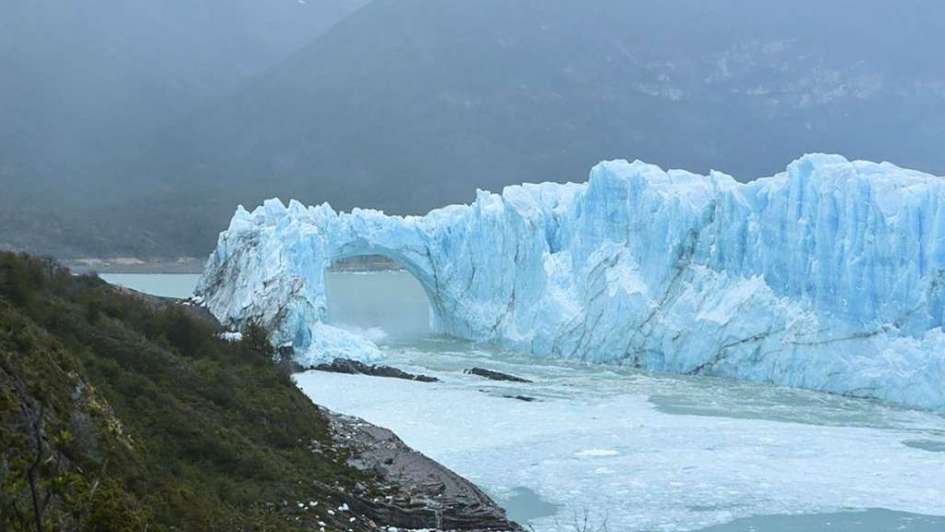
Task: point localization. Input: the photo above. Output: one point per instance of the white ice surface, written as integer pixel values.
(595, 440)
(829, 276)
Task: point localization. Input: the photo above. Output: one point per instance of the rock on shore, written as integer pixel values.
(428, 495)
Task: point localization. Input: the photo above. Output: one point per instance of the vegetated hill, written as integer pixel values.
(138, 414)
(409, 104)
(124, 412)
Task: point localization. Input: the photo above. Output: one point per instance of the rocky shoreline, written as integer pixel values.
(195, 265)
(424, 494)
(191, 265)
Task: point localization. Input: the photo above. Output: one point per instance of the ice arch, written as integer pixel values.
(389, 307)
(292, 249)
(828, 276)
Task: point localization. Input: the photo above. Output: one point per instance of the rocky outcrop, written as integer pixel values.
(354, 367)
(425, 494)
(495, 375)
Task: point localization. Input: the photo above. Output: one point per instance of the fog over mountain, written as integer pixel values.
(160, 117)
(85, 86)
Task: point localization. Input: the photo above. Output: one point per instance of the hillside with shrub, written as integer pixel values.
(124, 412)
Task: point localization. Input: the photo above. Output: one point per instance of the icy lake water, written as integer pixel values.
(640, 452)
(180, 285)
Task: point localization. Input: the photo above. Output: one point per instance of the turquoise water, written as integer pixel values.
(179, 285)
(392, 302)
(523, 505)
(932, 446)
(872, 520)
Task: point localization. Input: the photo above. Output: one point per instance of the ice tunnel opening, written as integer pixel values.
(377, 297)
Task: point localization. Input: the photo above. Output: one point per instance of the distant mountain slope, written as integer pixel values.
(84, 85)
(410, 104)
(83, 78)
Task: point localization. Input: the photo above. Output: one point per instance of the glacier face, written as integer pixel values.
(829, 276)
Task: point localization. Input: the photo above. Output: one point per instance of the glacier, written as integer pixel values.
(828, 276)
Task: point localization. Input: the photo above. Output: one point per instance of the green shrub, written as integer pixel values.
(150, 420)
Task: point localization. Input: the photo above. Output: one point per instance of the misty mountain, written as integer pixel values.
(409, 104)
(84, 84)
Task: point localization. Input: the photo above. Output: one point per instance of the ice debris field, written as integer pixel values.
(829, 276)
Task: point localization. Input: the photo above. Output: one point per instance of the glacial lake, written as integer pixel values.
(632, 450)
(179, 285)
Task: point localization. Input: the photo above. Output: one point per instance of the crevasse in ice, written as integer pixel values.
(829, 276)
